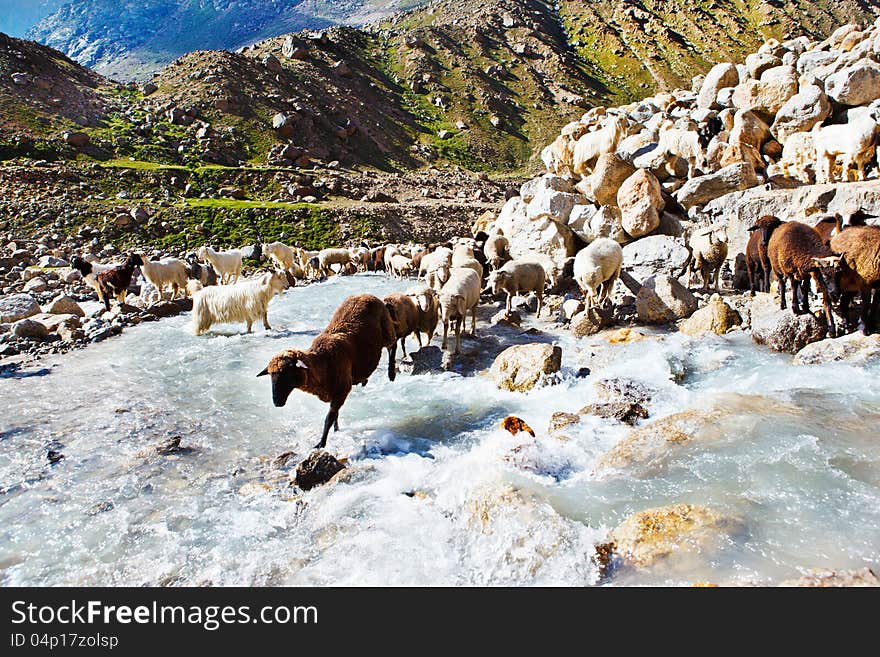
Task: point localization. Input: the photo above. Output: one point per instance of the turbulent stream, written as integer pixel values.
(437, 493)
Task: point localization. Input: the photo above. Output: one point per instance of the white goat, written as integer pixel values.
(685, 143)
(798, 156)
(329, 257)
(596, 268)
(168, 271)
(244, 301)
(284, 256)
(226, 263)
(401, 266)
(590, 146)
(853, 142)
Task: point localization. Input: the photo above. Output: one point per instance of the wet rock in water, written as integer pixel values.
(560, 420)
(625, 336)
(427, 359)
(663, 299)
(170, 446)
(623, 390)
(28, 328)
(54, 456)
(317, 469)
(18, 306)
(571, 307)
(716, 317)
(521, 367)
(505, 318)
(626, 412)
(583, 372)
(855, 348)
(514, 425)
(645, 449)
(604, 558)
(100, 507)
(835, 578)
(590, 322)
(282, 460)
(254, 488)
(651, 535)
(782, 330)
(170, 308)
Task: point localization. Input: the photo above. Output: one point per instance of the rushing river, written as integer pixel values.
(437, 493)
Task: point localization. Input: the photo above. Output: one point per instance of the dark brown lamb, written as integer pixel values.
(406, 316)
(114, 283)
(757, 263)
(796, 253)
(343, 355)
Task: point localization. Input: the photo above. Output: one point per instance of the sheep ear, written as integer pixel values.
(264, 372)
(753, 228)
(301, 364)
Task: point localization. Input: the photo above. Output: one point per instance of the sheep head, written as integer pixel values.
(288, 371)
(497, 279)
(766, 224)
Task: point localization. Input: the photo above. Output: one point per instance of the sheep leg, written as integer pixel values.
(765, 274)
(865, 314)
(457, 336)
(509, 305)
(474, 321)
(392, 356)
(718, 279)
(826, 304)
(445, 333)
(540, 294)
(845, 299)
(266, 322)
(875, 311)
(795, 307)
(403, 346)
(329, 421)
(782, 305)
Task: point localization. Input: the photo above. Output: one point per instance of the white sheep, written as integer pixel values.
(496, 250)
(401, 266)
(590, 146)
(517, 276)
(165, 272)
(552, 270)
(463, 257)
(430, 261)
(460, 294)
(243, 301)
(708, 248)
(437, 275)
(596, 268)
(226, 263)
(329, 257)
(853, 142)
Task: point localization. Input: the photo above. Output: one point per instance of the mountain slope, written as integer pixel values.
(121, 38)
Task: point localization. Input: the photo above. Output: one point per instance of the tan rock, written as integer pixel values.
(835, 578)
(521, 367)
(651, 535)
(855, 348)
(609, 174)
(716, 317)
(768, 94)
(640, 199)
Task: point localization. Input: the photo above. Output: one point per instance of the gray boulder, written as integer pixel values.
(18, 306)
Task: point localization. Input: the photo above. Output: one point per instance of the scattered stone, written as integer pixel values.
(782, 330)
(626, 412)
(835, 578)
(65, 305)
(36, 285)
(514, 425)
(513, 318)
(521, 367)
(855, 348)
(608, 175)
(716, 317)
(169, 446)
(590, 322)
(702, 189)
(560, 420)
(663, 299)
(648, 536)
(625, 336)
(427, 359)
(623, 390)
(28, 328)
(317, 469)
(640, 199)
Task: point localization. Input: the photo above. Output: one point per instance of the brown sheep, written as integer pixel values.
(832, 224)
(114, 282)
(344, 354)
(406, 317)
(757, 263)
(859, 272)
(796, 252)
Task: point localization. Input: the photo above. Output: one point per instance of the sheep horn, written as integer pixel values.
(264, 372)
(301, 364)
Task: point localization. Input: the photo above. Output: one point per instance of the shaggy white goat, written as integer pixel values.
(853, 142)
(596, 268)
(244, 301)
(165, 272)
(284, 256)
(590, 146)
(226, 263)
